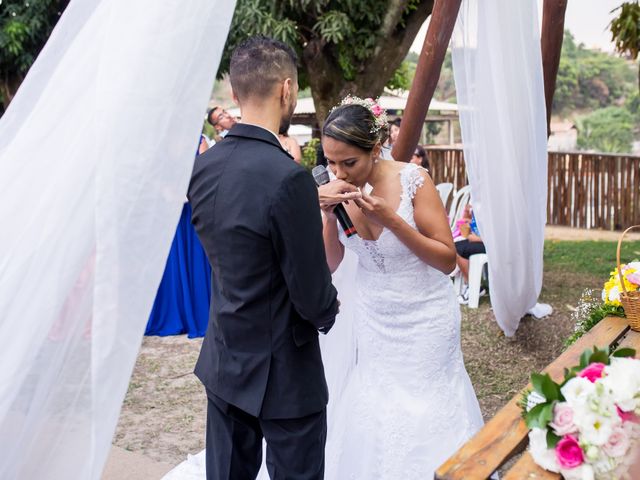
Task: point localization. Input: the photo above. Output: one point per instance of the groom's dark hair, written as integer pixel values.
(258, 63)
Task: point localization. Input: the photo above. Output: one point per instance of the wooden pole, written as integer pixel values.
(443, 19)
(553, 12)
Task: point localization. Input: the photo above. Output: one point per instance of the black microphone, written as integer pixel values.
(321, 176)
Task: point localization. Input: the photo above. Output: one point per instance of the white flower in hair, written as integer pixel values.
(379, 113)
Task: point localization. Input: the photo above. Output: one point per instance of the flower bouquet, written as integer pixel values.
(612, 288)
(586, 427)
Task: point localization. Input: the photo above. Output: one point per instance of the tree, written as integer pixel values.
(24, 29)
(607, 130)
(345, 46)
(590, 79)
(625, 31)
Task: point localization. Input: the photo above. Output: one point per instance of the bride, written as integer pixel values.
(408, 403)
(400, 399)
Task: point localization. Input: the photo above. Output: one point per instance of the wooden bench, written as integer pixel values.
(505, 435)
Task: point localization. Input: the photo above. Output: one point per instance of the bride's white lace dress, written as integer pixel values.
(408, 403)
(405, 403)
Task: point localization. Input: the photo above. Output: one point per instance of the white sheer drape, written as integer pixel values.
(96, 152)
(499, 83)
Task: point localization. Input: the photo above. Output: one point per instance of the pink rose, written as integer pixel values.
(618, 443)
(377, 110)
(368, 99)
(592, 372)
(563, 420)
(634, 278)
(627, 416)
(568, 452)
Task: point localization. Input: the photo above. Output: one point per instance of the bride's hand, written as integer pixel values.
(335, 192)
(375, 209)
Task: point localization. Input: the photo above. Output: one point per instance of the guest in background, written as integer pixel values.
(289, 144)
(468, 242)
(387, 146)
(205, 143)
(221, 120)
(183, 298)
(419, 157)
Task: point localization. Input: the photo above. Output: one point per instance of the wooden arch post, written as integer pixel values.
(443, 19)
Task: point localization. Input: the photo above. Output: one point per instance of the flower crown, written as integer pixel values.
(379, 114)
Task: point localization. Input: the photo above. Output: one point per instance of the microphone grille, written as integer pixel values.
(320, 175)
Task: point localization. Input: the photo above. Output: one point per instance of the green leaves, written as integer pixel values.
(552, 439)
(540, 415)
(606, 130)
(545, 386)
(624, 352)
(625, 29)
(334, 26)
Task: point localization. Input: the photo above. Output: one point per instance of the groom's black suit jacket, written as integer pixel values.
(256, 213)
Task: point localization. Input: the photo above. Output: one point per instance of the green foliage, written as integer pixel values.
(308, 160)
(606, 130)
(625, 29)
(589, 312)
(24, 29)
(540, 415)
(446, 89)
(349, 29)
(589, 79)
(402, 77)
(632, 104)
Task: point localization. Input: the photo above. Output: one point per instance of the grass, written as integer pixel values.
(592, 257)
(164, 412)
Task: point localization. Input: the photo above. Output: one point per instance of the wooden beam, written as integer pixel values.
(443, 19)
(551, 37)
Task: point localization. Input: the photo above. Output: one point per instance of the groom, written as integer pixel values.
(256, 213)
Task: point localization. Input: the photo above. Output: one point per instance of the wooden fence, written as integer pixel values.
(585, 190)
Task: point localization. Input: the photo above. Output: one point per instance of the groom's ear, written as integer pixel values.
(286, 90)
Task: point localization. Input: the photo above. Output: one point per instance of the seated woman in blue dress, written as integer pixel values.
(182, 302)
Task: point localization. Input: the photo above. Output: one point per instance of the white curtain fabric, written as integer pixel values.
(96, 151)
(498, 73)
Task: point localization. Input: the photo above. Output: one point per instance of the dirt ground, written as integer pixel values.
(163, 415)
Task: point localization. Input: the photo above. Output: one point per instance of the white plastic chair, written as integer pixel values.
(444, 189)
(460, 199)
(476, 264)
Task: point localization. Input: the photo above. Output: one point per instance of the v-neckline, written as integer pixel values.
(402, 195)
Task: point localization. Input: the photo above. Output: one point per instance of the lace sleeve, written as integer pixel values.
(412, 179)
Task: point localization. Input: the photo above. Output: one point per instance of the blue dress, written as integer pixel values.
(182, 302)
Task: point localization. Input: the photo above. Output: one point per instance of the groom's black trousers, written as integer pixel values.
(295, 447)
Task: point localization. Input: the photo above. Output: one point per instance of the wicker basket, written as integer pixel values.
(630, 300)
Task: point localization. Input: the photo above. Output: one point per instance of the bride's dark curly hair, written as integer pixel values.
(355, 125)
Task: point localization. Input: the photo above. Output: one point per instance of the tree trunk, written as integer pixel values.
(8, 87)
(326, 80)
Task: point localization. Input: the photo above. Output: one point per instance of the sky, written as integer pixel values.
(587, 20)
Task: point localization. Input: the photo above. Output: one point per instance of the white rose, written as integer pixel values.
(577, 391)
(623, 381)
(583, 472)
(594, 429)
(542, 455)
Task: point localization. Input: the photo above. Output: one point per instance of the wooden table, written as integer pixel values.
(505, 435)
